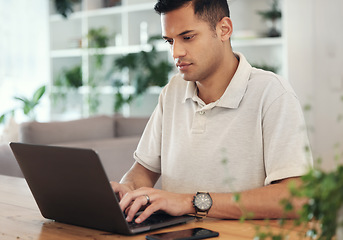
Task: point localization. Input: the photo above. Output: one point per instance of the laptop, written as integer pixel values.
(70, 186)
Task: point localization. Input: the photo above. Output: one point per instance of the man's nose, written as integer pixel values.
(178, 50)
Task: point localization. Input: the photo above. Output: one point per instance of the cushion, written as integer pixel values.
(92, 128)
(133, 126)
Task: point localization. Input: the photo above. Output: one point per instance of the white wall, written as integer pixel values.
(329, 77)
(315, 63)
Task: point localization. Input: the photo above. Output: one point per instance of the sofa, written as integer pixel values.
(114, 138)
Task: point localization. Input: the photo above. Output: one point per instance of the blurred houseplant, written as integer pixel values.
(68, 80)
(146, 70)
(71, 78)
(325, 206)
(322, 216)
(28, 105)
(272, 15)
(65, 7)
(98, 40)
(11, 130)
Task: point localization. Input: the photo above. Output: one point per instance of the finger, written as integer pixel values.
(147, 213)
(126, 201)
(121, 195)
(127, 210)
(131, 196)
(135, 207)
(115, 186)
(118, 188)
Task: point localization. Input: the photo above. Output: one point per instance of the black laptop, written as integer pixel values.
(70, 186)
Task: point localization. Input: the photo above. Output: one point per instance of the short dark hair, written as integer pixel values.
(211, 11)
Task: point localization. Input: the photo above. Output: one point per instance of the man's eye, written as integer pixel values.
(188, 37)
(170, 41)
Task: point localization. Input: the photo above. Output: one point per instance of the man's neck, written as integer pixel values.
(210, 90)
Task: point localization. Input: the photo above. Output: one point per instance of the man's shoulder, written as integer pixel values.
(268, 80)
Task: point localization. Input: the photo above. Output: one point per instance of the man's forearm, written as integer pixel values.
(138, 176)
(257, 203)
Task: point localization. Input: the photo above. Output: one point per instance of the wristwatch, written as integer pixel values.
(202, 203)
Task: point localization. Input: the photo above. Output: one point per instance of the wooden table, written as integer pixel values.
(21, 219)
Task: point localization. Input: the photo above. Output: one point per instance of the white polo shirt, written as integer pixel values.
(253, 135)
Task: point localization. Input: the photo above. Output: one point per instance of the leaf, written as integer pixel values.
(64, 7)
(27, 109)
(273, 13)
(98, 38)
(278, 237)
(38, 94)
(236, 197)
(22, 99)
(2, 118)
(73, 77)
(287, 205)
(128, 61)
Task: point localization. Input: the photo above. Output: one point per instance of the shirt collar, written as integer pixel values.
(191, 91)
(234, 93)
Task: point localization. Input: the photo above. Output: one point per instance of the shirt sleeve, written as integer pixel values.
(148, 152)
(286, 145)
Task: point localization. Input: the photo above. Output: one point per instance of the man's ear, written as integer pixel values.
(225, 28)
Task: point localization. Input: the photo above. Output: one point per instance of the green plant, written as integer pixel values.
(318, 217)
(273, 14)
(98, 39)
(28, 105)
(120, 99)
(65, 7)
(67, 79)
(71, 77)
(145, 70)
(325, 193)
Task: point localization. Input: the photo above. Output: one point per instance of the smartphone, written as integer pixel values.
(193, 233)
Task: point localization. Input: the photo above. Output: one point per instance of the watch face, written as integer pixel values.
(203, 201)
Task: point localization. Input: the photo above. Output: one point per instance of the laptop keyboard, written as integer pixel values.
(153, 219)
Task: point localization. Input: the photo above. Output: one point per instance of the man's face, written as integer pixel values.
(195, 47)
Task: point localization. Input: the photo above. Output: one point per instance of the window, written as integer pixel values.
(24, 59)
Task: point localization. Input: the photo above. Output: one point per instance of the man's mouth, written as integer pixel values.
(183, 66)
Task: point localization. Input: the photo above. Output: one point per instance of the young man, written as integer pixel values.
(220, 127)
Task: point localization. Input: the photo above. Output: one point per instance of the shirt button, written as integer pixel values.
(202, 112)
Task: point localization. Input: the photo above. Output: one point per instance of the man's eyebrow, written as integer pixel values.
(181, 34)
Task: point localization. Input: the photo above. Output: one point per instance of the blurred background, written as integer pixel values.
(70, 59)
